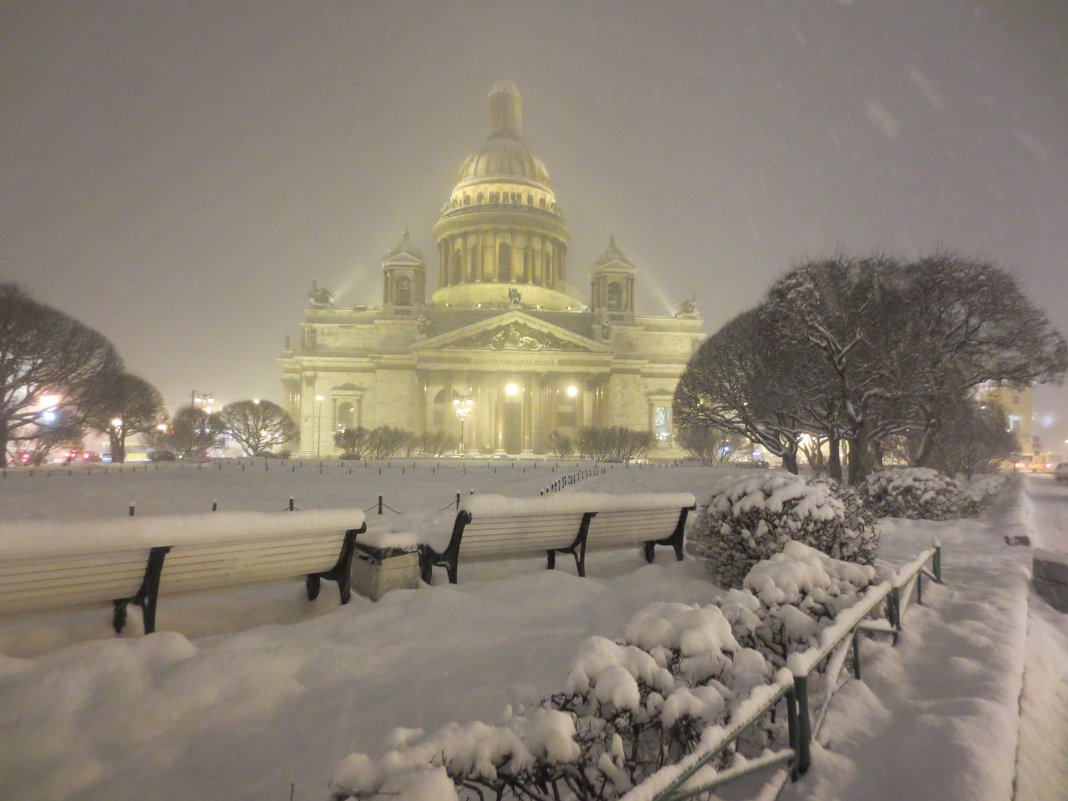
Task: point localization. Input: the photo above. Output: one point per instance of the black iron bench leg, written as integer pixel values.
(551, 560)
(650, 551)
(146, 596)
(452, 568)
(340, 572)
(312, 585)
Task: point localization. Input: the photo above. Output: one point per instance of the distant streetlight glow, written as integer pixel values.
(511, 390)
(116, 422)
(572, 391)
(463, 408)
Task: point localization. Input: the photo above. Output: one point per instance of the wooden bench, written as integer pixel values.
(493, 526)
(129, 561)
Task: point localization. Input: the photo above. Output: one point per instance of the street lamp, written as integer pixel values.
(205, 400)
(463, 408)
(318, 424)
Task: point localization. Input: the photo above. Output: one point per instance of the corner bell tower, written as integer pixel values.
(404, 275)
(612, 286)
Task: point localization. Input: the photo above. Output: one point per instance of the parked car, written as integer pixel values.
(161, 456)
(1060, 472)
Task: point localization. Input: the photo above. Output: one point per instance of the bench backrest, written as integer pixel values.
(245, 561)
(623, 529)
(519, 534)
(56, 580)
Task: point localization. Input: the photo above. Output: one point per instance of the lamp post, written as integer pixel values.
(463, 408)
(204, 399)
(318, 423)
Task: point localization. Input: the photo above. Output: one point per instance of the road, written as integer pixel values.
(1049, 507)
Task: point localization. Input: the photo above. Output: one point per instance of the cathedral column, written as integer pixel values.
(537, 438)
(498, 434)
(527, 438)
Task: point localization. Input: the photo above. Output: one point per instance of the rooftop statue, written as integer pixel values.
(687, 307)
(319, 297)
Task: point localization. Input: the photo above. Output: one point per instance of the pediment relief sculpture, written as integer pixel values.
(515, 337)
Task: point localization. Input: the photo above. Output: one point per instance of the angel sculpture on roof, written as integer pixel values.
(319, 297)
(687, 307)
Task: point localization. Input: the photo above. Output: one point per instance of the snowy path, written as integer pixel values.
(936, 718)
(1043, 760)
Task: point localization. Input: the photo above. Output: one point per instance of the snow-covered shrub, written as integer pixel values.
(918, 493)
(750, 518)
(985, 489)
(628, 707)
(789, 598)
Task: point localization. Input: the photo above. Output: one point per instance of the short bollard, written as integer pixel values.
(215, 505)
(133, 507)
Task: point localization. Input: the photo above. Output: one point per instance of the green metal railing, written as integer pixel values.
(694, 776)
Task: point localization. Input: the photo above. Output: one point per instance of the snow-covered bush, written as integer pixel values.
(628, 708)
(918, 493)
(986, 488)
(788, 599)
(750, 518)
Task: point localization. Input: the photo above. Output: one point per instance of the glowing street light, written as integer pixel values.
(463, 407)
(116, 423)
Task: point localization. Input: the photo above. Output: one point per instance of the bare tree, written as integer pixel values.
(257, 426)
(121, 405)
(48, 361)
(712, 445)
(734, 383)
(191, 433)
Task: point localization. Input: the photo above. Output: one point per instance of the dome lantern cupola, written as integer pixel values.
(501, 228)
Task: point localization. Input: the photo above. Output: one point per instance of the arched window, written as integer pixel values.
(504, 262)
(443, 409)
(404, 291)
(455, 271)
(615, 296)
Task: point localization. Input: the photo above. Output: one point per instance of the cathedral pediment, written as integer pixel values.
(513, 332)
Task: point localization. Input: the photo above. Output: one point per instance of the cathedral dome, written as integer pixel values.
(501, 238)
(503, 158)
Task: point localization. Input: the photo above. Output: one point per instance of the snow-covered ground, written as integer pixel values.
(244, 693)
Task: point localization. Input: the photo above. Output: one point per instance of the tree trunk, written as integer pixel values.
(858, 455)
(923, 456)
(3, 443)
(118, 448)
(789, 460)
(834, 457)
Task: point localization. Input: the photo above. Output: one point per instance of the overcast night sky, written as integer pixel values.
(175, 174)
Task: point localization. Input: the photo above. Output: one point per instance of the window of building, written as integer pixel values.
(404, 291)
(615, 296)
(662, 423)
(504, 261)
(345, 417)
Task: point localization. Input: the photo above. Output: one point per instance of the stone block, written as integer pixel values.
(1050, 577)
(376, 571)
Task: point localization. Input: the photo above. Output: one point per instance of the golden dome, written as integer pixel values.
(503, 172)
(503, 158)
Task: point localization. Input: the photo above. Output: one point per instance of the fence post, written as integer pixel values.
(792, 729)
(215, 505)
(291, 503)
(804, 728)
(937, 563)
(457, 500)
(133, 507)
(919, 587)
(856, 653)
(893, 610)
(380, 504)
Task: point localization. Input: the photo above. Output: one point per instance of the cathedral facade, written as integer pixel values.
(505, 351)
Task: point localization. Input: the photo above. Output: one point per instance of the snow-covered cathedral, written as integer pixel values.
(504, 339)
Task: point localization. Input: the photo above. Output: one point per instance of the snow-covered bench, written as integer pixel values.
(494, 526)
(134, 560)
